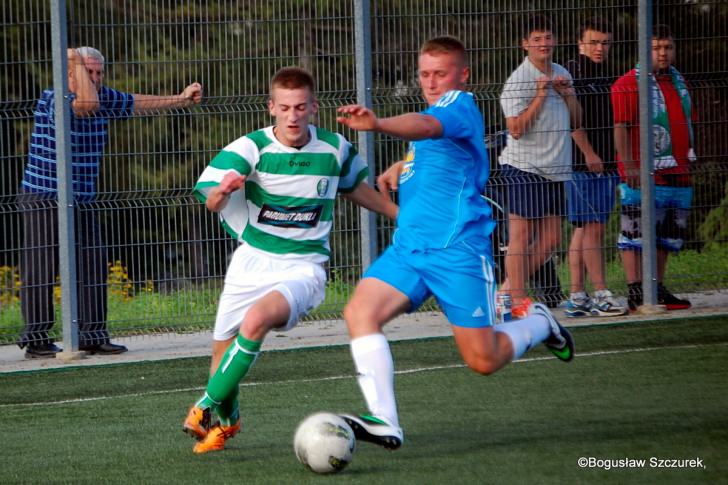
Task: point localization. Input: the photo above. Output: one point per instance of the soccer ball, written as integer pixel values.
(324, 443)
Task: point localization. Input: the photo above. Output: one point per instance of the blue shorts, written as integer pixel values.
(590, 197)
(672, 207)
(532, 196)
(460, 277)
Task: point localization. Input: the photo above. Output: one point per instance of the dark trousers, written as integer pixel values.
(39, 269)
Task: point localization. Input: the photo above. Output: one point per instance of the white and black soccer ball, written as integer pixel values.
(324, 443)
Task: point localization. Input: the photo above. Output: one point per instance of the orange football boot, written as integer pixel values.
(215, 439)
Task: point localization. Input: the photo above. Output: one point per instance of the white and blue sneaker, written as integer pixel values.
(579, 305)
(603, 304)
(375, 430)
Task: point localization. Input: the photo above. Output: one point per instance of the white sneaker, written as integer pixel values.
(603, 304)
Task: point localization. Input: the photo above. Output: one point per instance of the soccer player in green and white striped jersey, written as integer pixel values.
(274, 190)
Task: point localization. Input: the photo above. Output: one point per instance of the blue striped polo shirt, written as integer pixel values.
(88, 138)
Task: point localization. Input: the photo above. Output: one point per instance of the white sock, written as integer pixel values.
(525, 333)
(375, 367)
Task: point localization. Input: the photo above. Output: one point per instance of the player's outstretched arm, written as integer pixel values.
(218, 196)
(365, 196)
(409, 126)
(144, 103)
(358, 118)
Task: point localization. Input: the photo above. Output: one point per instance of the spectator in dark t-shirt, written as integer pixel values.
(591, 192)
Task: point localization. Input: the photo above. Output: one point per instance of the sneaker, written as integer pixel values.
(215, 439)
(520, 307)
(670, 301)
(375, 430)
(560, 342)
(603, 304)
(42, 351)
(635, 298)
(197, 423)
(578, 305)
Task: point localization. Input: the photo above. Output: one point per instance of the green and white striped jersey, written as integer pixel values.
(286, 207)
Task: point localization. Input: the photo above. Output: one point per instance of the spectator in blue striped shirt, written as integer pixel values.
(93, 105)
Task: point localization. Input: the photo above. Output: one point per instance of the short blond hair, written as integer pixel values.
(445, 44)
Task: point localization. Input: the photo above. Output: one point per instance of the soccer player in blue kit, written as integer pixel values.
(441, 246)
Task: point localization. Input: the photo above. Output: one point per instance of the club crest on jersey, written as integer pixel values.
(282, 216)
(408, 167)
(322, 187)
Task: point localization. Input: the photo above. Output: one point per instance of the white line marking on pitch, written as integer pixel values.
(337, 378)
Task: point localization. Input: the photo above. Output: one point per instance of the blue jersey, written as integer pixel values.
(442, 180)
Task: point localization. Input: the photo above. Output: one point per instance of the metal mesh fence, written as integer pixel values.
(167, 255)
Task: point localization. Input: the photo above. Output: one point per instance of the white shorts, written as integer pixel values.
(252, 274)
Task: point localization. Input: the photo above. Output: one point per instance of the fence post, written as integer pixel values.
(64, 167)
(363, 52)
(647, 180)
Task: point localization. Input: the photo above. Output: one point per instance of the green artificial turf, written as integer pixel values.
(641, 391)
